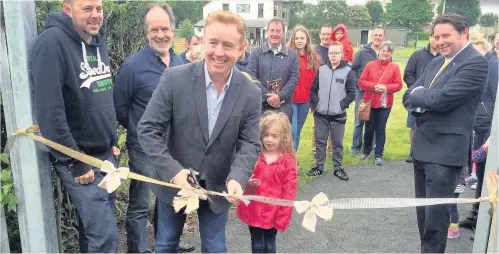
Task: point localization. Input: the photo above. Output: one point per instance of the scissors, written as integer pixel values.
(196, 184)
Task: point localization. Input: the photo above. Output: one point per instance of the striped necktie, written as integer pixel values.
(446, 62)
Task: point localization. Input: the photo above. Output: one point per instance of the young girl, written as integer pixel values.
(274, 176)
(310, 61)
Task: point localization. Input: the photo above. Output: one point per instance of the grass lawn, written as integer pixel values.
(397, 135)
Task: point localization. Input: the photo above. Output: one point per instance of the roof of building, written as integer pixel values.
(258, 23)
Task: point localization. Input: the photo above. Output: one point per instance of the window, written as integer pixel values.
(243, 8)
(260, 10)
(283, 15)
(225, 7)
(275, 10)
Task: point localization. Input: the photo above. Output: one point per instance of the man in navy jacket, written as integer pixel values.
(444, 101)
(413, 71)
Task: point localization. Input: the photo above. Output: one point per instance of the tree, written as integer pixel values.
(192, 10)
(358, 16)
(186, 29)
(489, 20)
(375, 10)
(412, 14)
(468, 8)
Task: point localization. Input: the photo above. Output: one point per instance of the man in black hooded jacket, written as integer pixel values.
(74, 107)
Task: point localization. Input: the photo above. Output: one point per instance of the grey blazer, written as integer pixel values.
(444, 131)
(178, 107)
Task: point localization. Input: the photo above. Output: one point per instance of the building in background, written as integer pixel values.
(256, 14)
(361, 35)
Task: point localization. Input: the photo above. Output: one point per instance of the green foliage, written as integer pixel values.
(186, 29)
(468, 8)
(314, 16)
(7, 196)
(489, 20)
(375, 10)
(358, 16)
(192, 10)
(411, 14)
(421, 35)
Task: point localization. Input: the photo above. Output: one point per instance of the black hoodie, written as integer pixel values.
(73, 95)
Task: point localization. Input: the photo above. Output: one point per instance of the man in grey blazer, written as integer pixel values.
(444, 101)
(211, 113)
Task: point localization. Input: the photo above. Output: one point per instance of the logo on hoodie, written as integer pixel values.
(100, 74)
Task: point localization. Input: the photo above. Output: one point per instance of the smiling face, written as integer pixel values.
(385, 53)
(378, 36)
(326, 36)
(300, 40)
(223, 45)
(87, 16)
(448, 40)
(159, 30)
(276, 33)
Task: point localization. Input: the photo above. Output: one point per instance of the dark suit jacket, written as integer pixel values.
(179, 106)
(444, 131)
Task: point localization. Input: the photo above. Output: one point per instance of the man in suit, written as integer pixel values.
(444, 101)
(210, 112)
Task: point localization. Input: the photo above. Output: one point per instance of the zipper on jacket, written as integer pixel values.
(330, 88)
(486, 111)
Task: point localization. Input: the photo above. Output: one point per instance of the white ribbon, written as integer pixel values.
(112, 180)
(313, 209)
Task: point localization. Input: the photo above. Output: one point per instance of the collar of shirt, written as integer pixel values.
(452, 58)
(275, 50)
(155, 54)
(209, 82)
(281, 49)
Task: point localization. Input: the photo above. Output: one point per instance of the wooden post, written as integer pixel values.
(484, 231)
(30, 167)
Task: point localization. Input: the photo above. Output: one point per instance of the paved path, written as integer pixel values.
(373, 230)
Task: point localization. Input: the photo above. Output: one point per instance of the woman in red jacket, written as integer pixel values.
(274, 176)
(310, 61)
(380, 80)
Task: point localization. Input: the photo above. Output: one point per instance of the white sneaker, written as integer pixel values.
(473, 186)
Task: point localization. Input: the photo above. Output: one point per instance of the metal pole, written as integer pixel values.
(443, 7)
(30, 167)
(483, 230)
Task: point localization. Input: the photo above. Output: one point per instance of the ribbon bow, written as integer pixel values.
(313, 209)
(112, 180)
(189, 199)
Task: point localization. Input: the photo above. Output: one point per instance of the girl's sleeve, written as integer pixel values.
(364, 82)
(289, 186)
(396, 84)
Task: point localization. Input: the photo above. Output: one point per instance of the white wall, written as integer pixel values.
(268, 8)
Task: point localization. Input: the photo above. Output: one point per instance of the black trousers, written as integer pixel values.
(263, 240)
(434, 181)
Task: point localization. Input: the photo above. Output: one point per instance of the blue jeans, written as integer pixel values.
(376, 125)
(171, 224)
(95, 207)
(300, 112)
(138, 205)
(359, 124)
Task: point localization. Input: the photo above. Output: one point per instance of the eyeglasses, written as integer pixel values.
(334, 53)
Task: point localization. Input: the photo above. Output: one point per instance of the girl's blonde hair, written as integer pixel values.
(196, 53)
(313, 59)
(280, 122)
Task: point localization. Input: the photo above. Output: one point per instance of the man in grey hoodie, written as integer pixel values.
(333, 90)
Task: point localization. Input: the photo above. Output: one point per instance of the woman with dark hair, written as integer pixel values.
(380, 80)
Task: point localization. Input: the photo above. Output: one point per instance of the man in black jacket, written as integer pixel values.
(413, 71)
(73, 94)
